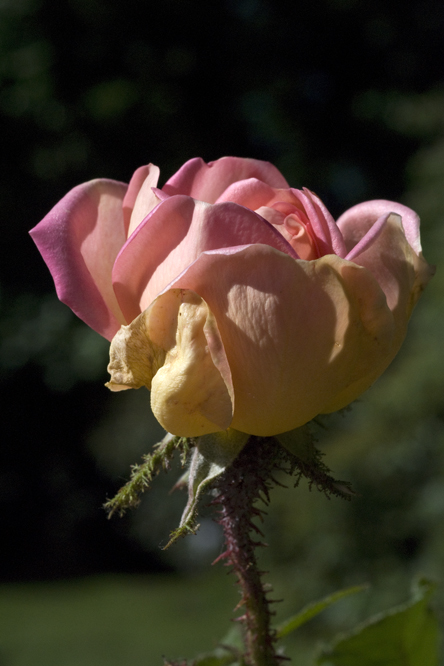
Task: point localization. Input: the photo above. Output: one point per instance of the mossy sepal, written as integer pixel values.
(141, 475)
(307, 462)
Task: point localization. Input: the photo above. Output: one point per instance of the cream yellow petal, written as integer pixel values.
(297, 334)
(174, 349)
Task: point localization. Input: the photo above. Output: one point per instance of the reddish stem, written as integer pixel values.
(243, 483)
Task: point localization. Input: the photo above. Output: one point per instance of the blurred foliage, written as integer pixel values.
(112, 620)
(345, 97)
(404, 636)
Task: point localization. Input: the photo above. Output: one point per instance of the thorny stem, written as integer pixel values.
(248, 479)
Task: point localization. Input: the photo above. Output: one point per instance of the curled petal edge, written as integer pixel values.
(209, 181)
(142, 202)
(364, 214)
(174, 348)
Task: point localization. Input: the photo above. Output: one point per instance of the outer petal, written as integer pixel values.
(208, 182)
(356, 221)
(173, 236)
(79, 239)
(369, 238)
(297, 334)
(393, 256)
(400, 272)
(174, 349)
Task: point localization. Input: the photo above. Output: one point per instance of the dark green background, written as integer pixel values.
(346, 97)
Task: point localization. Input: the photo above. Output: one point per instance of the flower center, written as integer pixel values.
(296, 232)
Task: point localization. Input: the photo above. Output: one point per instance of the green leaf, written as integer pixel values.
(233, 638)
(311, 610)
(406, 635)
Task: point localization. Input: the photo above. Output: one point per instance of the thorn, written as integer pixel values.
(241, 618)
(260, 544)
(256, 529)
(239, 605)
(220, 557)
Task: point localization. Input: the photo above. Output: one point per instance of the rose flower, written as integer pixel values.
(237, 300)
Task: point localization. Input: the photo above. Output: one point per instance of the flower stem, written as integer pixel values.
(243, 483)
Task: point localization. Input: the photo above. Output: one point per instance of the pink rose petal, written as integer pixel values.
(257, 321)
(329, 237)
(208, 182)
(369, 238)
(400, 272)
(134, 186)
(79, 239)
(251, 193)
(146, 198)
(355, 222)
(160, 194)
(326, 235)
(173, 236)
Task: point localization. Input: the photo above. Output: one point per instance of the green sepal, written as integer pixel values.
(313, 609)
(212, 455)
(182, 482)
(300, 443)
(407, 635)
(141, 475)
